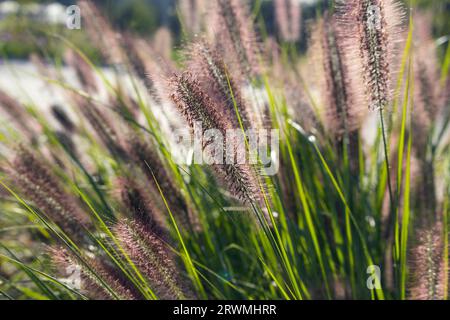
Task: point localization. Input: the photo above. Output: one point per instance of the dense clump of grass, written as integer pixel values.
(95, 184)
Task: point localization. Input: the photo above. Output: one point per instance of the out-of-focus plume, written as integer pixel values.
(102, 126)
(139, 60)
(192, 12)
(272, 56)
(288, 16)
(427, 94)
(146, 158)
(149, 66)
(66, 135)
(124, 105)
(101, 33)
(139, 205)
(63, 118)
(372, 29)
(162, 43)
(96, 281)
(83, 70)
(343, 100)
(152, 256)
(428, 101)
(149, 69)
(42, 66)
(38, 184)
(344, 104)
(302, 111)
(236, 36)
(17, 113)
(428, 270)
(67, 143)
(298, 103)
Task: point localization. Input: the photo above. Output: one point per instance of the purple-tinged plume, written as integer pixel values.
(210, 70)
(288, 15)
(83, 70)
(192, 102)
(342, 100)
(101, 33)
(237, 36)
(152, 256)
(102, 126)
(18, 115)
(428, 268)
(139, 205)
(38, 184)
(192, 12)
(372, 29)
(99, 281)
(148, 160)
